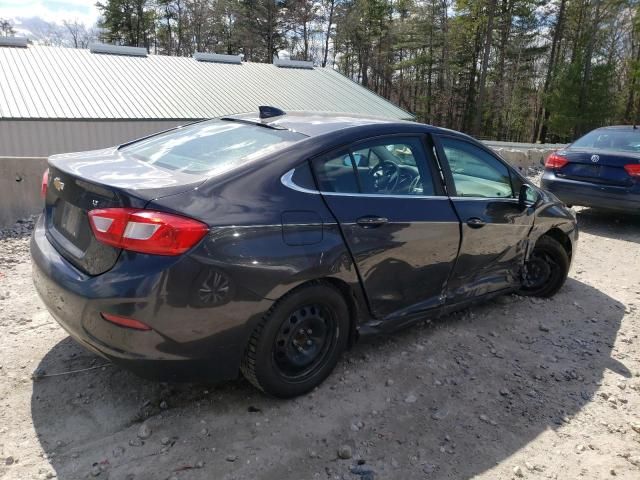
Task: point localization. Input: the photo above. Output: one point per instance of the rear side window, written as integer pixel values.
(336, 173)
(302, 177)
(212, 146)
(615, 140)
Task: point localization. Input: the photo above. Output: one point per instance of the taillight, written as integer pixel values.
(125, 321)
(633, 169)
(146, 231)
(45, 182)
(555, 161)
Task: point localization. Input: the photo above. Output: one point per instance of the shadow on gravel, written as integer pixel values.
(614, 225)
(467, 392)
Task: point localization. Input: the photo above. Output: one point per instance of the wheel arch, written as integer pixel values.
(562, 238)
(356, 304)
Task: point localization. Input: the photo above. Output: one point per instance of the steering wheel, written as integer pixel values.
(385, 176)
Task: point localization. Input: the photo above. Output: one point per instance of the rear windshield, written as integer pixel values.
(619, 140)
(212, 146)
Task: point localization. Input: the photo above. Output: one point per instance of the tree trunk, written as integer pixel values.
(305, 37)
(501, 82)
(328, 36)
(443, 114)
(629, 114)
(428, 112)
(168, 16)
(542, 117)
(477, 120)
(270, 26)
(179, 45)
(586, 78)
(468, 107)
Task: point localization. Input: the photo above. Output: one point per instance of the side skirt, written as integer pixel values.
(391, 324)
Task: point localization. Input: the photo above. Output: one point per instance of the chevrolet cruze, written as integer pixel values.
(267, 244)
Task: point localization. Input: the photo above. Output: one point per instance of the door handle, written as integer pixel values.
(371, 221)
(475, 222)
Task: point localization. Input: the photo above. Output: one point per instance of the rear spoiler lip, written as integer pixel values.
(122, 145)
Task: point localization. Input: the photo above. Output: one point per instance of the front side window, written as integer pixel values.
(211, 147)
(476, 173)
(390, 166)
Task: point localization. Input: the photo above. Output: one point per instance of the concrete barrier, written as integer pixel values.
(21, 177)
(20, 183)
(526, 146)
(517, 158)
(523, 155)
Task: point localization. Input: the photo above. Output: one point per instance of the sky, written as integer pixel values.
(84, 11)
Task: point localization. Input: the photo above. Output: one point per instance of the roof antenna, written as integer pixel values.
(268, 112)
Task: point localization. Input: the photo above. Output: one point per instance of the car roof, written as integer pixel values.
(314, 124)
(618, 127)
(317, 123)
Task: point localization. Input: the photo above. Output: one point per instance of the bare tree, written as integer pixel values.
(482, 83)
(331, 7)
(6, 28)
(77, 31)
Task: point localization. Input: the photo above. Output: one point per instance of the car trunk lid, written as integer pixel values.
(80, 182)
(598, 166)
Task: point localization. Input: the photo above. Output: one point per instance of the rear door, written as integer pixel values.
(494, 228)
(399, 226)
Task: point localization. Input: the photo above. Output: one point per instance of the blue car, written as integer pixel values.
(600, 170)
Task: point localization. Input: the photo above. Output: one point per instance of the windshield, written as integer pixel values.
(617, 140)
(212, 146)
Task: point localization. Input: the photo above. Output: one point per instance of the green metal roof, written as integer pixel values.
(64, 83)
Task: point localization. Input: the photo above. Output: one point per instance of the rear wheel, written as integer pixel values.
(546, 270)
(298, 342)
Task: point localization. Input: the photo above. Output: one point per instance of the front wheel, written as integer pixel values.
(298, 342)
(546, 270)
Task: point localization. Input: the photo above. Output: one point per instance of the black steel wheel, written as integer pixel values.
(546, 269)
(298, 342)
(303, 341)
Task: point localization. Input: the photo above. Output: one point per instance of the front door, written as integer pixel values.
(401, 229)
(494, 229)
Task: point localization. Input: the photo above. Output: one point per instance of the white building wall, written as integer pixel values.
(41, 138)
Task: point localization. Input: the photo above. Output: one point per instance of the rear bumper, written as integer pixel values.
(594, 195)
(184, 342)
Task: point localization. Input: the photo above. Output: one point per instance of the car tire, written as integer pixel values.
(298, 342)
(548, 267)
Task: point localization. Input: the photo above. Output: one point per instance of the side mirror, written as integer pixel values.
(528, 196)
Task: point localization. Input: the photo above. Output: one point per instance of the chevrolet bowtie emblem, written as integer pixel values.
(58, 184)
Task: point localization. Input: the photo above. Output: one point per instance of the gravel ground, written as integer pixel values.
(516, 388)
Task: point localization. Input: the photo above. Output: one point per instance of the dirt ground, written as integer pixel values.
(517, 388)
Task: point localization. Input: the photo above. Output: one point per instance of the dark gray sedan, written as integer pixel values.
(269, 243)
